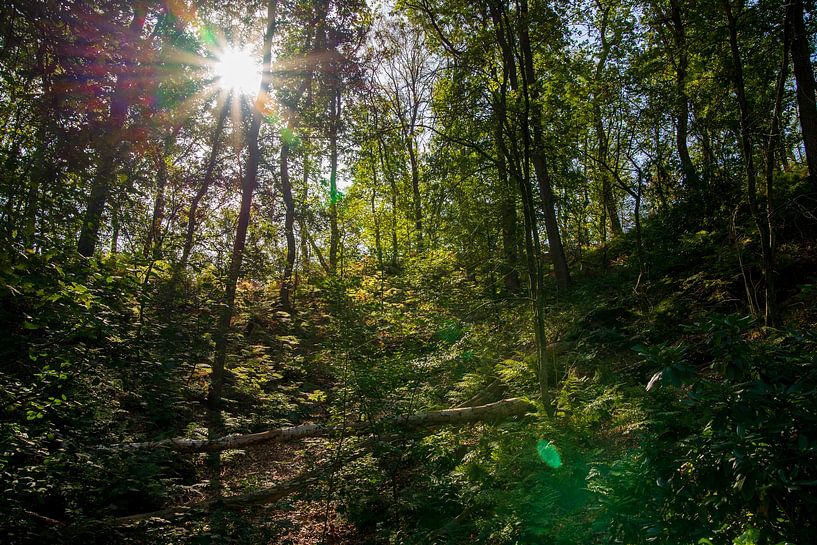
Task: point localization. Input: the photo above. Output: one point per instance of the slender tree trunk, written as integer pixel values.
(682, 102)
(415, 189)
(375, 216)
(607, 198)
(116, 226)
(642, 265)
(44, 172)
(32, 200)
(334, 236)
(770, 258)
(152, 244)
(209, 171)
(109, 146)
(304, 260)
(538, 157)
(508, 209)
(214, 395)
(533, 250)
(603, 148)
(247, 189)
(509, 77)
(804, 75)
(533, 253)
(384, 163)
(287, 285)
(746, 145)
(395, 250)
(289, 225)
(315, 248)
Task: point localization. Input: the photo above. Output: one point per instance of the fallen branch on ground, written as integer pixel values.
(481, 413)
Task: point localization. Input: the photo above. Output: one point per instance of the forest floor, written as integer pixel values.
(667, 393)
(376, 345)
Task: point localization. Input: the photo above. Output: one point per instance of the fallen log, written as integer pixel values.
(464, 415)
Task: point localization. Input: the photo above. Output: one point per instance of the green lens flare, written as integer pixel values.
(208, 37)
(549, 454)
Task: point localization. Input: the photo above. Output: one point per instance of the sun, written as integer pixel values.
(237, 70)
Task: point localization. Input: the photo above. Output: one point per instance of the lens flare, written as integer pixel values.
(548, 453)
(237, 70)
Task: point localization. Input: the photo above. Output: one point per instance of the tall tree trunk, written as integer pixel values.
(415, 190)
(603, 148)
(508, 212)
(533, 255)
(682, 102)
(215, 147)
(746, 145)
(247, 189)
(109, 145)
(508, 217)
(533, 250)
(44, 172)
(304, 260)
(384, 164)
(152, 243)
(115, 227)
(334, 236)
(289, 224)
(375, 216)
(222, 333)
(538, 157)
(607, 198)
(32, 201)
(770, 259)
(287, 284)
(804, 75)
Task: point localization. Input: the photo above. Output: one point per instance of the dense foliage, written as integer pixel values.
(604, 211)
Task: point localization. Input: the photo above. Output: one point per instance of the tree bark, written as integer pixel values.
(152, 242)
(334, 235)
(538, 156)
(304, 260)
(519, 164)
(375, 216)
(209, 171)
(384, 163)
(804, 76)
(507, 205)
(305, 234)
(607, 198)
(508, 211)
(289, 224)
(287, 285)
(770, 259)
(751, 174)
(415, 191)
(247, 189)
(682, 101)
(222, 333)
